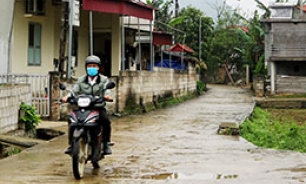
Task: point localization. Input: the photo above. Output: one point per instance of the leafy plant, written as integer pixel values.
(260, 68)
(201, 87)
(265, 131)
(13, 151)
(30, 117)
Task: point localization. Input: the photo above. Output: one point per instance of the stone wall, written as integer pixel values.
(10, 98)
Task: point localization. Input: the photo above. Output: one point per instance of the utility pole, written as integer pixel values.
(176, 14)
(200, 37)
(63, 37)
(177, 7)
(301, 8)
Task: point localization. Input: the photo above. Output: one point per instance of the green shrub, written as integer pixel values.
(201, 87)
(30, 117)
(266, 132)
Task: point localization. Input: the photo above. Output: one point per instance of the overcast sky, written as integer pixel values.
(246, 7)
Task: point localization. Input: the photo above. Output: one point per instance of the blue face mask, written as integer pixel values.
(92, 71)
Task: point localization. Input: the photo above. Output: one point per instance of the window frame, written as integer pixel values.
(34, 44)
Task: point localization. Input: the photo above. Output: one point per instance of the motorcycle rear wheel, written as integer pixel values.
(79, 155)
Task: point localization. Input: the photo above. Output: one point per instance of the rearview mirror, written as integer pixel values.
(110, 85)
(62, 86)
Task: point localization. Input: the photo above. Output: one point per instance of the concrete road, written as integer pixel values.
(175, 145)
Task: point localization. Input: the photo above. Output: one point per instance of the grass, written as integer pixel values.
(278, 129)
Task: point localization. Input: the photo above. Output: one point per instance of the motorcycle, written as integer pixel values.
(83, 124)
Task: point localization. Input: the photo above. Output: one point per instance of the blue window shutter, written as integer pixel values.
(34, 47)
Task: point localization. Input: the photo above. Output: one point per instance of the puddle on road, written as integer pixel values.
(47, 134)
(194, 176)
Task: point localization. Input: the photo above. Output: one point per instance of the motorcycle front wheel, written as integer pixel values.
(79, 157)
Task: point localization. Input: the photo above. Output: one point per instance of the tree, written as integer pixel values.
(190, 24)
(163, 14)
(267, 11)
(256, 49)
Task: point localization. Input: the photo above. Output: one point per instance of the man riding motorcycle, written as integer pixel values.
(92, 84)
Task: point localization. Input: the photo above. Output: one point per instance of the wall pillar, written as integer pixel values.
(54, 96)
(116, 45)
(273, 74)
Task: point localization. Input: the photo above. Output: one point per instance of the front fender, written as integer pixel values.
(77, 133)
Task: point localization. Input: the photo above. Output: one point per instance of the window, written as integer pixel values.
(36, 7)
(34, 47)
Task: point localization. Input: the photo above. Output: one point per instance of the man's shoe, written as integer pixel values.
(68, 150)
(107, 150)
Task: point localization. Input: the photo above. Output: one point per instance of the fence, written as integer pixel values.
(39, 89)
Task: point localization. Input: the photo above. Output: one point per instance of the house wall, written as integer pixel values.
(20, 39)
(290, 84)
(51, 27)
(285, 50)
(10, 98)
(6, 18)
(288, 42)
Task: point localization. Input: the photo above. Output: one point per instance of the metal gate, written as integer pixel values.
(39, 89)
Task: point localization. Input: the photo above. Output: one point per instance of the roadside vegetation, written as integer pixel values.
(283, 129)
(232, 39)
(29, 117)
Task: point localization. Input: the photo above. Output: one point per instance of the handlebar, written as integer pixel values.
(110, 100)
(95, 100)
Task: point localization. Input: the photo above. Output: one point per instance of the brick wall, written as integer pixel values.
(10, 98)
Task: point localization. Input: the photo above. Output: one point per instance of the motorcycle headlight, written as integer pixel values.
(83, 102)
(72, 120)
(93, 120)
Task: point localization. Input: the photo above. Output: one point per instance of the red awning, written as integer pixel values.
(162, 38)
(122, 7)
(180, 48)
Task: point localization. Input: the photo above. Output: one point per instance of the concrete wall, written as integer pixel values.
(6, 19)
(290, 84)
(277, 103)
(10, 98)
(288, 42)
(145, 88)
(285, 50)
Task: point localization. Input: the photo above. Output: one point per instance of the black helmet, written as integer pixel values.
(93, 60)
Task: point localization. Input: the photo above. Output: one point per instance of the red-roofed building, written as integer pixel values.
(181, 48)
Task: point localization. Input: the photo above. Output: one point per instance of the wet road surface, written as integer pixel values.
(175, 145)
